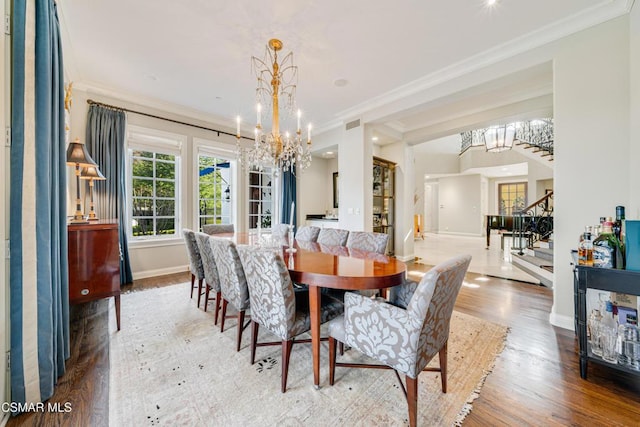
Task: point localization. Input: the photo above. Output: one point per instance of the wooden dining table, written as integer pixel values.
(338, 267)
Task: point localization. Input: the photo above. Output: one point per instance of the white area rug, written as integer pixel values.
(171, 366)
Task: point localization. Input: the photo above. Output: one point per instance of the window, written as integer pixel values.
(153, 184)
(214, 190)
(260, 201)
(512, 197)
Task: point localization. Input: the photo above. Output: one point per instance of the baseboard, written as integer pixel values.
(453, 233)
(159, 272)
(405, 258)
(561, 321)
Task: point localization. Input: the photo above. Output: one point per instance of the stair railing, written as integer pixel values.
(535, 222)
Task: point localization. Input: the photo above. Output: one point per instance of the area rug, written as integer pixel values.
(169, 365)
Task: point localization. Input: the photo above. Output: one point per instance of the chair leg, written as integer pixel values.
(199, 291)
(332, 359)
(286, 354)
(193, 284)
(218, 297)
(240, 328)
(442, 354)
(206, 296)
(412, 400)
(254, 340)
(224, 314)
(341, 346)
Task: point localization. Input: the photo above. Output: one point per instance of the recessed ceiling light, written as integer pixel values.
(491, 2)
(340, 82)
(375, 138)
(328, 153)
(504, 169)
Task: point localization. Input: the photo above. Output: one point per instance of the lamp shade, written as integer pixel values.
(91, 172)
(77, 154)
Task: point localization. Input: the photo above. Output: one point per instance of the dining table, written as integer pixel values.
(321, 266)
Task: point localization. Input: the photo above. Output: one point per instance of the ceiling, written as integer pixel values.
(193, 56)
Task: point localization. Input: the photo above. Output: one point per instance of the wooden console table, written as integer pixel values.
(94, 262)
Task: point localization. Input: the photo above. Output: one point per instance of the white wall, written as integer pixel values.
(402, 155)
(592, 127)
(633, 210)
(314, 189)
(355, 160)
(460, 205)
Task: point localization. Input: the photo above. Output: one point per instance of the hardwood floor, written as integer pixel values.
(536, 379)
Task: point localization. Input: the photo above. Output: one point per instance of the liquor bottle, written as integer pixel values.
(618, 224)
(605, 247)
(585, 248)
(619, 232)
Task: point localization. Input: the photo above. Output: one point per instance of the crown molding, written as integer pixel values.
(605, 11)
(157, 104)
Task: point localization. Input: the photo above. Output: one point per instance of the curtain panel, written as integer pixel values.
(39, 282)
(105, 138)
(288, 196)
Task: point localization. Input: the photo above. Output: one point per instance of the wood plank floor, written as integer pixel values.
(535, 381)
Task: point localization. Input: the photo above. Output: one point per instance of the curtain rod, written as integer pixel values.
(92, 102)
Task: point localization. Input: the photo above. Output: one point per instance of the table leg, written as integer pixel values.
(314, 311)
(117, 298)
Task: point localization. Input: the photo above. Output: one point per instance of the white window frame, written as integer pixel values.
(206, 147)
(160, 142)
(275, 191)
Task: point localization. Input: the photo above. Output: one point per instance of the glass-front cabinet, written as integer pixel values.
(384, 199)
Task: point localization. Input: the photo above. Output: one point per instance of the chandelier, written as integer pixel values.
(276, 82)
(499, 138)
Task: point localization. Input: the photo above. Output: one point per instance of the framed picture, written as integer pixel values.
(335, 190)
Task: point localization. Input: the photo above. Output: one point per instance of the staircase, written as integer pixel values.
(537, 259)
(537, 262)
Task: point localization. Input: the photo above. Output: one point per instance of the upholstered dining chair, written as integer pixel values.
(195, 261)
(368, 241)
(233, 284)
(274, 304)
(403, 338)
(211, 279)
(333, 236)
(307, 233)
(280, 231)
(217, 228)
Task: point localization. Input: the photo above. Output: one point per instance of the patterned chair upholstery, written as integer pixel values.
(275, 305)
(370, 242)
(307, 233)
(366, 241)
(333, 236)
(233, 284)
(404, 339)
(218, 228)
(280, 231)
(195, 261)
(210, 272)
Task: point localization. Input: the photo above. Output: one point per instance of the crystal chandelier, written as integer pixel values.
(271, 148)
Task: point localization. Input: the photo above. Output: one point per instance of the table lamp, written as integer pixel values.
(77, 155)
(91, 173)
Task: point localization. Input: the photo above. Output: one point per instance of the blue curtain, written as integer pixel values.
(288, 196)
(106, 144)
(39, 281)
